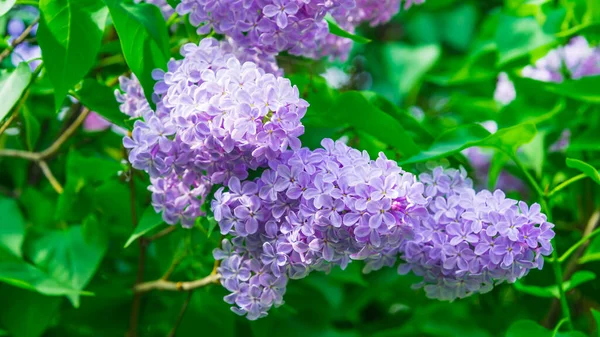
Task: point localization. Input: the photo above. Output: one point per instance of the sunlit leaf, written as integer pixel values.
(17, 80)
(149, 221)
(584, 167)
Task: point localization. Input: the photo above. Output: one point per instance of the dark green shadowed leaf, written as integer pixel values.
(32, 128)
(144, 39)
(101, 99)
(70, 34)
(149, 221)
(584, 167)
(338, 31)
(70, 256)
(25, 313)
(354, 108)
(17, 80)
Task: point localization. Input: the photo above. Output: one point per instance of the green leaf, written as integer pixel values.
(101, 99)
(406, 65)
(17, 80)
(149, 221)
(577, 279)
(70, 35)
(173, 3)
(596, 315)
(583, 89)
(144, 39)
(584, 167)
(527, 329)
(12, 230)
(357, 111)
(5, 6)
(25, 313)
(32, 128)
(462, 137)
(338, 31)
(21, 274)
(70, 256)
(518, 36)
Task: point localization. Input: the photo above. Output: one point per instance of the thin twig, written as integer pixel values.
(176, 261)
(48, 173)
(583, 240)
(176, 286)
(37, 156)
(181, 313)
(162, 233)
(18, 40)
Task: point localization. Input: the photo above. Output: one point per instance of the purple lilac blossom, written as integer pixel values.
(505, 90)
(310, 211)
(473, 240)
(562, 143)
(25, 51)
(295, 26)
(575, 60)
(215, 119)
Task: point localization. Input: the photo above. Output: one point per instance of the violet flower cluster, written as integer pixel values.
(312, 210)
(295, 26)
(472, 241)
(215, 119)
(24, 51)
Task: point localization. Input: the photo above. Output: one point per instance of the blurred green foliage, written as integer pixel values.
(68, 261)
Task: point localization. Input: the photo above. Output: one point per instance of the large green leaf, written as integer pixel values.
(583, 89)
(354, 108)
(527, 329)
(17, 80)
(149, 221)
(70, 34)
(584, 167)
(6, 5)
(101, 99)
(462, 137)
(518, 36)
(32, 127)
(70, 256)
(21, 274)
(25, 313)
(12, 228)
(144, 39)
(577, 279)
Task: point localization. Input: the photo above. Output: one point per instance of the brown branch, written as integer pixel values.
(38, 156)
(18, 40)
(162, 233)
(48, 173)
(181, 313)
(176, 286)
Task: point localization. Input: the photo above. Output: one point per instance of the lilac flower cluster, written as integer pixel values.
(472, 241)
(215, 119)
(577, 58)
(25, 51)
(295, 26)
(312, 210)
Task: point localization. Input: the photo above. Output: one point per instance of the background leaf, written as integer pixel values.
(70, 34)
(149, 221)
(17, 80)
(586, 168)
(144, 39)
